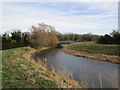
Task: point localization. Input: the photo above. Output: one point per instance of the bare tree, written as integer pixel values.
(44, 35)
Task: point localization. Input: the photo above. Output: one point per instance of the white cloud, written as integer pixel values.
(59, 0)
(23, 17)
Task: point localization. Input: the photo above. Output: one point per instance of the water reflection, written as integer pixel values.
(95, 73)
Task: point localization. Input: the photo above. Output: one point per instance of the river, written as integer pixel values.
(89, 72)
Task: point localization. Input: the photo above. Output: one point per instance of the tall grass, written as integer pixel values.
(115, 79)
(111, 79)
(42, 61)
(64, 72)
(85, 81)
(66, 75)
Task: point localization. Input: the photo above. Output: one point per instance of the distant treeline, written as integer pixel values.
(41, 35)
(78, 37)
(46, 35)
(112, 38)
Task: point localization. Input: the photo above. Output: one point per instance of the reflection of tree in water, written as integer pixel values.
(85, 73)
(43, 54)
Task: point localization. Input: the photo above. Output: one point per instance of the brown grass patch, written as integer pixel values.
(62, 82)
(96, 56)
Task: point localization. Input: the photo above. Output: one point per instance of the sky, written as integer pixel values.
(67, 17)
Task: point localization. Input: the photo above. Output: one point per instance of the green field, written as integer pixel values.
(19, 72)
(96, 48)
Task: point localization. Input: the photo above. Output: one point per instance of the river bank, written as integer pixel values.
(82, 52)
(20, 71)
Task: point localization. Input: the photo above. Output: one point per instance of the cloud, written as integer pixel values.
(1, 17)
(59, 0)
(66, 17)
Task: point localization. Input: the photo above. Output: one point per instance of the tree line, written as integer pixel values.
(41, 35)
(112, 38)
(46, 35)
(78, 37)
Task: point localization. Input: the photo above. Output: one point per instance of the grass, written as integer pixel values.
(96, 48)
(21, 73)
(110, 53)
(112, 79)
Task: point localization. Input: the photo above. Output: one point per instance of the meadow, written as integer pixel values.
(108, 49)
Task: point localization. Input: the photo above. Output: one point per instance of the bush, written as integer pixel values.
(114, 38)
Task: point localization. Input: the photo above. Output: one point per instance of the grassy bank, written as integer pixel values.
(20, 71)
(104, 52)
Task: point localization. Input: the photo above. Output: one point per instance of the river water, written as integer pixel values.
(89, 72)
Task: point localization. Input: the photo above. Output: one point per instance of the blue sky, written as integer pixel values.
(76, 17)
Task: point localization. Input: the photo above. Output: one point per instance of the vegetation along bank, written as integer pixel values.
(103, 52)
(20, 71)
